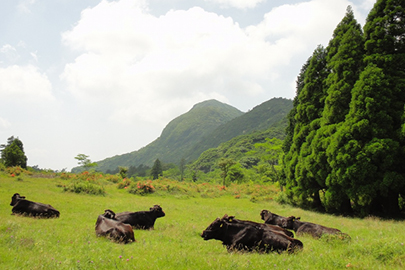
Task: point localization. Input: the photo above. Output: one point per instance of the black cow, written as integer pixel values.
(141, 219)
(22, 206)
(315, 230)
(115, 230)
(271, 218)
(246, 237)
(263, 226)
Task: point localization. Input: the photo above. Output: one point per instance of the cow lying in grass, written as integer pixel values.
(315, 230)
(115, 230)
(141, 219)
(22, 206)
(271, 218)
(260, 225)
(242, 236)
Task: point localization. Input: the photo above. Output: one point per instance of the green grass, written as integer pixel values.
(69, 242)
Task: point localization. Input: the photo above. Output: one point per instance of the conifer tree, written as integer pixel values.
(345, 54)
(157, 169)
(367, 151)
(300, 187)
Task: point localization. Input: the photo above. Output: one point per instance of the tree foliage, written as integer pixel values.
(345, 146)
(157, 169)
(85, 162)
(12, 153)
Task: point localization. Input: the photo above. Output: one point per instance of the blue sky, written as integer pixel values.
(104, 78)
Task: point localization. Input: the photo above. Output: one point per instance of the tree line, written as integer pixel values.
(345, 147)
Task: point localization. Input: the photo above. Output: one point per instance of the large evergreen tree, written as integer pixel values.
(367, 151)
(345, 53)
(301, 187)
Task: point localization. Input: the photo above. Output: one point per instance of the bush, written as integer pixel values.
(84, 187)
(142, 188)
(125, 183)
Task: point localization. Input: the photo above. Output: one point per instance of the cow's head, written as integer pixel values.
(16, 198)
(227, 218)
(157, 210)
(266, 215)
(109, 214)
(288, 223)
(213, 230)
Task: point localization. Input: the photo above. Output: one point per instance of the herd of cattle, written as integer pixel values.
(275, 234)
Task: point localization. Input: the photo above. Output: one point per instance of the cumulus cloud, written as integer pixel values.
(25, 5)
(4, 123)
(240, 4)
(8, 53)
(136, 62)
(137, 66)
(25, 83)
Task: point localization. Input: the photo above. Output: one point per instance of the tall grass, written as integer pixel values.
(69, 242)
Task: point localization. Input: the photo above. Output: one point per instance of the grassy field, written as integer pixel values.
(69, 242)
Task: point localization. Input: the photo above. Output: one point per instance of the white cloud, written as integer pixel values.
(4, 123)
(240, 4)
(24, 6)
(9, 53)
(141, 62)
(24, 83)
(135, 66)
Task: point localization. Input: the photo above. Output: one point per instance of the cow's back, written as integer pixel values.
(26, 207)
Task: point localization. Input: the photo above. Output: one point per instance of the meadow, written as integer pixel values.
(69, 242)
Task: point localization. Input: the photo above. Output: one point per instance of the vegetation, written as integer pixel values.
(12, 153)
(344, 149)
(156, 170)
(205, 126)
(69, 242)
(85, 162)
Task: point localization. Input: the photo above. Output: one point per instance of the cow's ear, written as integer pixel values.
(231, 218)
(22, 197)
(298, 218)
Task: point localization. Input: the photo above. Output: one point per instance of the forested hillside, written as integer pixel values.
(206, 125)
(177, 137)
(268, 114)
(345, 144)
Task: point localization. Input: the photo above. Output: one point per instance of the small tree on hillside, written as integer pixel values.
(224, 164)
(273, 153)
(156, 170)
(13, 154)
(85, 161)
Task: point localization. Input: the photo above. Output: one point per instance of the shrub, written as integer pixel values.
(125, 183)
(142, 188)
(84, 187)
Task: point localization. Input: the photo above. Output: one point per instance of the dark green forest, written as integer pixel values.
(344, 149)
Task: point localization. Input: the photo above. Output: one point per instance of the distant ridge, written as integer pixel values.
(205, 126)
(177, 137)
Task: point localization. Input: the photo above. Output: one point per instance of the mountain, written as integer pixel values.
(206, 125)
(181, 134)
(260, 118)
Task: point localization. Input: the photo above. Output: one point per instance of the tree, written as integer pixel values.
(156, 170)
(301, 187)
(182, 167)
(367, 151)
(225, 164)
(235, 173)
(13, 154)
(123, 171)
(344, 59)
(273, 153)
(83, 160)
